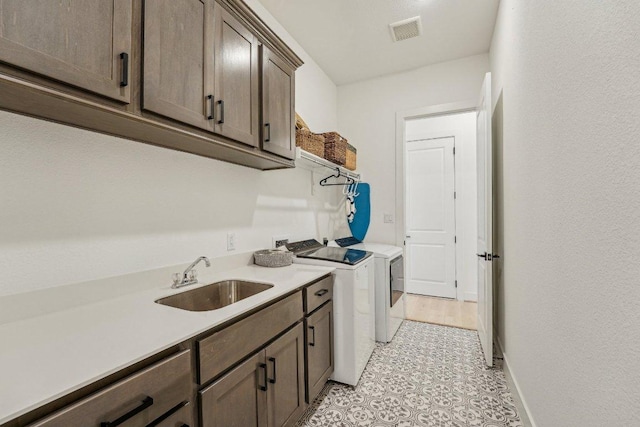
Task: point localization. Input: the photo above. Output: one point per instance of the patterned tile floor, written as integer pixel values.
(429, 375)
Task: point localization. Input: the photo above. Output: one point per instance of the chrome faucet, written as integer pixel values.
(189, 276)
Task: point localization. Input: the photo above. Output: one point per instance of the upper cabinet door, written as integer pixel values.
(177, 62)
(84, 43)
(236, 79)
(278, 86)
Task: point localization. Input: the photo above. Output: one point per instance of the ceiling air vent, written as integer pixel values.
(406, 29)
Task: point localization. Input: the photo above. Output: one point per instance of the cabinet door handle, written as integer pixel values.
(321, 292)
(263, 366)
(313, 336)
(221, 104)
(148, 401)
(124, 56)
(273, 360)
(267, 128)
(211, 107)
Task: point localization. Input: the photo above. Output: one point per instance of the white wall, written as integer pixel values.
(367, 118)
(570, 76)
(78, 206)
(463, 127)
(316, 94)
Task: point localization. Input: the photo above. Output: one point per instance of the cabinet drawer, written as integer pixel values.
(223, 349)
(141, 398)
(317, 294)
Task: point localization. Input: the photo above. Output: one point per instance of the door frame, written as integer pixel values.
(401, 179)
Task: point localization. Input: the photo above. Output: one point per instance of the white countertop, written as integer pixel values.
(46, 357)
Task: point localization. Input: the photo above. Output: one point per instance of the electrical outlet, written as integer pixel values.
(277, 241)
(388, 218)
(231, 241)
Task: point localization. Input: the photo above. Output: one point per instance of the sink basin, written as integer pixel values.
(215, 295)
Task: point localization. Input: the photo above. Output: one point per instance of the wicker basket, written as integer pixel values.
(335, 148)
(352, 153)
(272, 258)
(300, 124)
(311, 142)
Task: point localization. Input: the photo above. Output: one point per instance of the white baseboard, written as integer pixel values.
(521, 404)
(470, 296)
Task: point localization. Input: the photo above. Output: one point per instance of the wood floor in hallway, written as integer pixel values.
(441, 311)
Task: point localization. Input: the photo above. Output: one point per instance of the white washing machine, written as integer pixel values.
(389, 284)
(353, 304)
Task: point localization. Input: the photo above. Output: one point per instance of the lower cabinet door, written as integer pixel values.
(285, 367)
(239, 398)
(319, 330)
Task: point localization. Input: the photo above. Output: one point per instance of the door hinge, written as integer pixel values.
(454, 151)
(456, 283)
(455, 239)
(455, 195)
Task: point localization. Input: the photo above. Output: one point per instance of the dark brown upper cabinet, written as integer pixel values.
(180, 74)
(278, 91)
(83, 43)
(236, 94)
(178, 63)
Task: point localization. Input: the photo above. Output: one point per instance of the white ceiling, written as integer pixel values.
(350, 39)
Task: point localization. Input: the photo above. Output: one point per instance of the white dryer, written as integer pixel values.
(389, 284)
(353, 304)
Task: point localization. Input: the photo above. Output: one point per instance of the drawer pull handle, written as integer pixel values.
(263, 366)
(158, 421)
(267, 127)
(313, 336)
(211, 107)
(221, 104)
(148, 401)
(321, 292)
(273, 360)
(124, 56)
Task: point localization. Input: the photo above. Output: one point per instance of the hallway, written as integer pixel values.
(442, 311)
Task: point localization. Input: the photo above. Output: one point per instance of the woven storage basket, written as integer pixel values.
(350, 162)
(300, 124)
(335, 148)
(273, 258)
(311, 142)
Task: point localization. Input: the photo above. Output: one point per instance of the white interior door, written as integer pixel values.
(485, 218)
(430, 217)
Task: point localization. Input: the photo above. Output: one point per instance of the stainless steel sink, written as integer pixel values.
(215, 295)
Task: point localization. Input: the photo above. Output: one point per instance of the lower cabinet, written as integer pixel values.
(260, 371)
(266, 390)
(285, 365)
(239, 398)
(156, 396)
(319, 349)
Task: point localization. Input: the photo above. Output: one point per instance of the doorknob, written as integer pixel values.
(495, 256)
(484, 255)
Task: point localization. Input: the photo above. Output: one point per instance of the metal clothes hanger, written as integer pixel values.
(338, 174)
